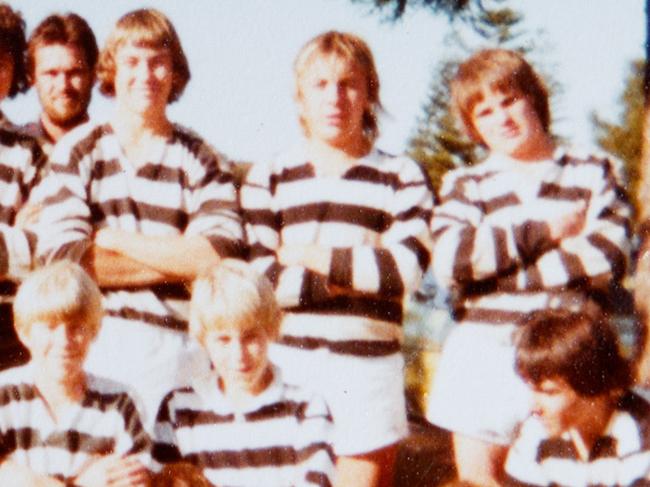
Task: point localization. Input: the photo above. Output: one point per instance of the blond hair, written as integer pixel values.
(61, 292)
(499, 70)
(233, 295)
(146, 28)
(352, 49)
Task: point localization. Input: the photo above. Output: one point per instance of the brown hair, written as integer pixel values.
(69, 30)
(580, 347)
(148, 28)
(499, 70)
(12, 40)
(352, 49)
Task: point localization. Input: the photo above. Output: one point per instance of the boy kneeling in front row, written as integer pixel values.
(241, 424)
(587, 427)
(58, 425)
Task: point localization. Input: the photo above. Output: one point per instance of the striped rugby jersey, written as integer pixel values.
(280, 439)
(104, 422)
(492, 241)
(619, 457)
(373, 219)
(92, 185)
(21, 166)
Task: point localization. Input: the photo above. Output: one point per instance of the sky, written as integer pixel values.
(240, 97)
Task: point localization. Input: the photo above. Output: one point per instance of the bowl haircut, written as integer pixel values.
(579, 347)
(232, 295)
(144, 28)
(353, 50)
(58, 293)
(498, 70)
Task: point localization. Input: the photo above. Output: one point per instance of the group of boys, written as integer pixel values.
(342, 232)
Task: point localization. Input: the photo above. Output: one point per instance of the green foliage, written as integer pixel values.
(624, 139)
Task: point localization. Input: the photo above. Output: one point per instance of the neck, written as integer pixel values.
(61, 391)
(594, 419)
(539, 149)
(239, 394)
(332, 160)
(55, 130)
(151, 123)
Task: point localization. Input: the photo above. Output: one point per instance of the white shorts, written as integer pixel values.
(476, 390)
(365, 394)
(149, 360)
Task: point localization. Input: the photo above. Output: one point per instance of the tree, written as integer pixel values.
(624, 139)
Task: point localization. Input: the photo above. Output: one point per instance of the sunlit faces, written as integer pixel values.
(143, 78)
(558, 406)
(57, 348)
(508, 124)
(239, 356)
(6, 72)
(332, 98)
(63, 81)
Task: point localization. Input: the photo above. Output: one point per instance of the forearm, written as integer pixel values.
(111, 269)
(177, 256)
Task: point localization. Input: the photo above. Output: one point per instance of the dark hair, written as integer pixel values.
(500, 70)
(12, 40)
(580, 347)
(69, 30)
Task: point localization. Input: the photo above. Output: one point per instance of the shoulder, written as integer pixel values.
(198, 148)
(398, 171)
(16, 383)
(105, 394)
(80, 141)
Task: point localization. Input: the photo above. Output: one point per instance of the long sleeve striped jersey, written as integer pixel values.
(372, 220)
(92, 185)
(492, 236)
(281, 438)
(104, 422)
(21, 166)
(619, 457)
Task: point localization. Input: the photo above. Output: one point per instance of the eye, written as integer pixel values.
(508, 100)
(223, 339)
(484, 112)
(321, 83)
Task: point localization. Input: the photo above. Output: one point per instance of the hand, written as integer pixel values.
(569, 224)
(313, 257)
(113, 471)
(28, 215)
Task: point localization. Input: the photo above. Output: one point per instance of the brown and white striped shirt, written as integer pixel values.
(104, 422)
(92, 185)
(281, 438)
(373, 220)
(619, 457)
(492, 238)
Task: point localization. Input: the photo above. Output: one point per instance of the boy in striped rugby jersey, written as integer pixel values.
(58, 425)
(587, 427)
(146, 204)
(241, 424)
(510, 236)
(341, 229)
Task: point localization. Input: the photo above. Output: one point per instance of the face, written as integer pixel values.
(143, 78)
(57, 347)
(558, 406)
(63, 81)
(508, 124)
(332, 98)
(239, 356)
(6, 73)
